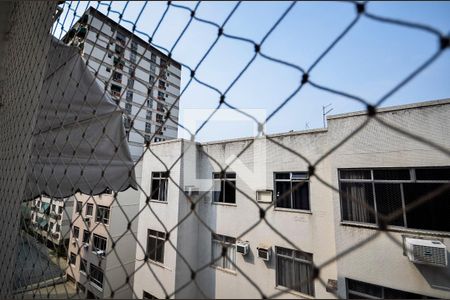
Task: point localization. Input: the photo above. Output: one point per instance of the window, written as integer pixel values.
(73, 258)
(148, 115)
(133, 57)
(130, 83)
(116, 90)
(96, 275)
(60, 209)
(117, 76)
(367, 193)
(108, 70)
(146, 295)
(102, 214)
(292, 190)
(159, 186)
(359, 290)
(294, 270)
(155, 245)
(153, 58)
(128, 108)
(148, 127)
(161, 96)
(58, 228)
(79, 206)
(152, 68)
(120, 37)
(89, 209)
(134, 45)
(151, 79)
(51, 226)
(76, 232)
(53, 207)
(118, 49)
(86, 236)
(147, 138)
(129, 96)
(218, 242)
(160, 107)
(99, 243)
(83, 265)
(159, 118)
(224, 187)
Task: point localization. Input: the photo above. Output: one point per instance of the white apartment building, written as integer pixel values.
(139, 77)
(102, 247)
(373, 167)
(50, 220)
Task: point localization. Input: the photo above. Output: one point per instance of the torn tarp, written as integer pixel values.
(79, 141)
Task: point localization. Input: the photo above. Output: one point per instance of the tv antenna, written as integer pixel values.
(325, 112)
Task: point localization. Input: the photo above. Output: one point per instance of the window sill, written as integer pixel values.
(397, 229)
(161, 265)
(301, 211)
(158, 201)
(96, 286)
(231, 272)
(224, 204)
(294, 292)
(97, 222)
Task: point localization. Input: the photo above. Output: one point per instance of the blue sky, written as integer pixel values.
(369, 61)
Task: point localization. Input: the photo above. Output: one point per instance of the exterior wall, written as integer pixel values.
(61, 237)
(149, 273)
(100, 40)
(118, 262)
(310, 231)
(379, 146)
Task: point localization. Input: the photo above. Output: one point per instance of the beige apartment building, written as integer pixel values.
(310, 223)
(102, 243)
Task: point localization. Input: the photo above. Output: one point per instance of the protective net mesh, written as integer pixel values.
(108, 211)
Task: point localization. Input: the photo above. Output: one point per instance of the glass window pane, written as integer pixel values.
(434, 213)
(283, 194)
(433, 174)
(300, 195)
(155, 189)
(230, 192)
(151, 248)
(354, 174)
(389, 200)
(356, 197)
(391, 174)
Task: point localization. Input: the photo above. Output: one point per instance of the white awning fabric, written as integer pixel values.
(79, 141)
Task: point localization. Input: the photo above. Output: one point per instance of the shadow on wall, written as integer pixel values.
(437, 277)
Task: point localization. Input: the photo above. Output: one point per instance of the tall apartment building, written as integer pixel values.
(139, 77)
(378, 166)
(102, 246)
(50, 220)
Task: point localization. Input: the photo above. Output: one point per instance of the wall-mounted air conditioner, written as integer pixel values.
(99, 253)
(428, 252)
(263, 252)
(242, 247)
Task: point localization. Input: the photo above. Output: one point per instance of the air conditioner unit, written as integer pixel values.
(263, 252)
(86, 245)
(428, 252)
(242, 247)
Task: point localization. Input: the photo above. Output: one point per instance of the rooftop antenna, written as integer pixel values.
(306, 125)
(325, 112)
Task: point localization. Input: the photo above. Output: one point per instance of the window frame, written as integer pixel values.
(373, 181)
(98, 237)
(362, 295)
(222, 180)
(79, 207)
(97, 281)
(89, 205)
(77, 229)
(101, 218)
(158, 236)
(222, 261)
(162, 176)
(291, 180)
(295, 259)
(72, 259)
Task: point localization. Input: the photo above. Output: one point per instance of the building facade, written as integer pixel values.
(50, 221)
(276, 220)
(102, 246)
(143, 81)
